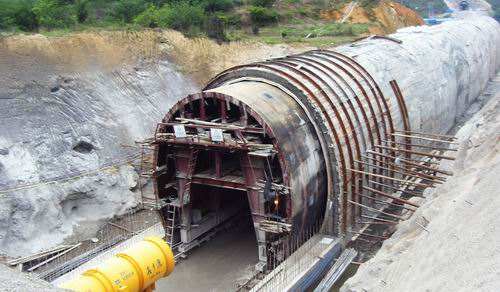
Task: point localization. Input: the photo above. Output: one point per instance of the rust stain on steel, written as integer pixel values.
(368, 79)
(304, 68)
(368, 102)
(404, 114)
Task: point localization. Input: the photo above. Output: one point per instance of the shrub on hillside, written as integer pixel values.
(81, 10)
(127, 10)
(17, 14)
(148, 18)
(53, 14)
(262, 3)
(261, 16)
(181, 16)
(229, 19)
(217, 5)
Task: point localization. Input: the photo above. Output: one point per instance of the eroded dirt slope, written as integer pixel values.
(386, 17)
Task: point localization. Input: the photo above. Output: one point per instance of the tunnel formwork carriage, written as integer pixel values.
(282, 134)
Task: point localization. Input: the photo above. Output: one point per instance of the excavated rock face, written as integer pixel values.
(66, 116)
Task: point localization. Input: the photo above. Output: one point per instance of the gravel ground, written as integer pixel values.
(12, 280)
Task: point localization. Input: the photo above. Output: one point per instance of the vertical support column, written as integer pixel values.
(254, 170)
(185, 162)
(218, 164)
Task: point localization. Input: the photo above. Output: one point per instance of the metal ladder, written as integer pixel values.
(170, 224)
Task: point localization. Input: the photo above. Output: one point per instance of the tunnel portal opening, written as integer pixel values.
(216, 160)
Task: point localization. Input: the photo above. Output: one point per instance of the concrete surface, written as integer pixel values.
(217, 265)
(12, 280)
(64, 113)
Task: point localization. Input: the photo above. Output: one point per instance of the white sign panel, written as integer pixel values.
(180, 131)
(216, 135)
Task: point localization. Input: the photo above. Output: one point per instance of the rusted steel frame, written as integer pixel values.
(321, 67)
(219, 183)
(422, 146)
(363, 91)
(267, 130)
(337, 114)
(377, 36)
(221, 126)
(387, 203)
(409, 174)
(378, 219)
(391, 178)
(401, 99)
(416, 152)
(361, 71)
(370, 235)
(311, 61)
(328, 153)
(330, 73)
(355, 65)
(327, 117)
(404, 114)
(413, 163)
(383, 194)
(397, 189)
(370, 81)
(441, 136)
(312, 58)
(377, 210)
(414, 172)
(425, 138)
(288, 82)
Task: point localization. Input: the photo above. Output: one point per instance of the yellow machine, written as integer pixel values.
(135, 270)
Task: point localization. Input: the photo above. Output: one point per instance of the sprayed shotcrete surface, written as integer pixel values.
(57, 122)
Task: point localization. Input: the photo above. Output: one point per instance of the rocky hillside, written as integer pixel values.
(68, 109)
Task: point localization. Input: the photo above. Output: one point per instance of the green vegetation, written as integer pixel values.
(269, 21)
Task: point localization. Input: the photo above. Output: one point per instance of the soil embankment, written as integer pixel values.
(452, 243)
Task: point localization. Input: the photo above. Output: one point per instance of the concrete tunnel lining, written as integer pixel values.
(349, 106)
